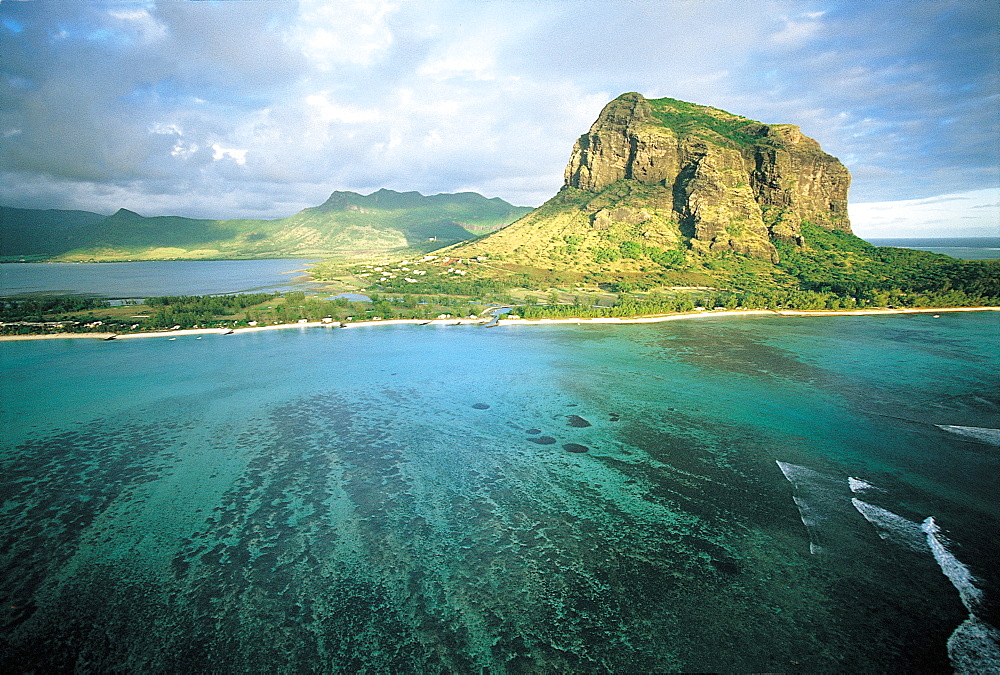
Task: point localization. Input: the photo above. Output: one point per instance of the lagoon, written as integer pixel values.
(691, 495)
(154, 278)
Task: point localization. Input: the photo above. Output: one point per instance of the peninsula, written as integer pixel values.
(667, 208)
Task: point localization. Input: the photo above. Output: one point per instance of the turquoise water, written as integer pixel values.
(966, 248)
(154, 277)
(709, 495)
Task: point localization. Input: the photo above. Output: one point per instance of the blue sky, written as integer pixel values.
(258, 108)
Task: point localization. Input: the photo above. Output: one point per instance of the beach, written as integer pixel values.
(502, 322)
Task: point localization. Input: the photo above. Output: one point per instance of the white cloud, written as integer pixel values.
(165, 129)
(184, 150)
(141, 23)
(327, 111)
(285, 101)
(964, 214)
(220, 153)
(470, 58)
(798, 31)
(342, 32)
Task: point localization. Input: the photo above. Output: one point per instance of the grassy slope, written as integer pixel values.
(557, 245)
(34, 233)
(346, 225)
(566, 253)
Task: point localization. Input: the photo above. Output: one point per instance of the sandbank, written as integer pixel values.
(502, 322)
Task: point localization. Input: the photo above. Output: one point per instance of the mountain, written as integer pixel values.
(41, 232)
(346, 225)
(683, 177)
(663, 193)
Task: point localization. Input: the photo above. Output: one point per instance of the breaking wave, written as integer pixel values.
(857, 485)
(958, 574)
(892, 527)
(974, 647)
(815, 497)
(981, 434)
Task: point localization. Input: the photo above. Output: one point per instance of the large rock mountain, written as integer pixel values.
(676, 175)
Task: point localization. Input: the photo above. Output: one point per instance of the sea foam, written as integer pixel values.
(974, 647)
(981, 434)
(817, 497)
(893, 527)
(857, 485)
(958, 574)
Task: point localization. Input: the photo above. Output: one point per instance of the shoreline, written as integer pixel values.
(502, 322)
(658, 318)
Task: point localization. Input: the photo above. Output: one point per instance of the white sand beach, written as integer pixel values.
(502, 322)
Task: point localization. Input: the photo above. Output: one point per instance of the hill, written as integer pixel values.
(41, 233)
(678, 181)
(662, 194)
(346, 225)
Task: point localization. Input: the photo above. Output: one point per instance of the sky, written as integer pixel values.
(259, 108)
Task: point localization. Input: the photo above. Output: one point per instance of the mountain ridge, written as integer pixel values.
(347, 224)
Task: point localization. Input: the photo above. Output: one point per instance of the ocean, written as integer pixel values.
(967, 248)
(717, 494)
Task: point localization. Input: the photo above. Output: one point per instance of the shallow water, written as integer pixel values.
(382, 499)
(154, 277)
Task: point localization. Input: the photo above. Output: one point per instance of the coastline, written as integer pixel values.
(502, 322)
(745, 312)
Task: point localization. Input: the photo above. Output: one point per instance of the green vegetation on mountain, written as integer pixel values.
(347, 225)
(41, 233)
(670, 197)
(666, 206)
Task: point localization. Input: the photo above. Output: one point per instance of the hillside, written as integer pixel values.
(35, 233)
(678, 179)
(661, 194)
(346, 225)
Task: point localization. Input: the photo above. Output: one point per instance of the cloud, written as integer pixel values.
(965, 214)
(220, 153)
(347, 31)
(234, 105)
(798, 30)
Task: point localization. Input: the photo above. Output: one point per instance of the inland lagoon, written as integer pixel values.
(154, 277)
(755, 493)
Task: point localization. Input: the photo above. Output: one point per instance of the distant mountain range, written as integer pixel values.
(346, 225)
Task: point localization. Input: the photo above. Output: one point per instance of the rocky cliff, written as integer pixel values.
(733, 184)
(691, 178)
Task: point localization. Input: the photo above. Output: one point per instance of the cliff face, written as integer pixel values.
(729, 183)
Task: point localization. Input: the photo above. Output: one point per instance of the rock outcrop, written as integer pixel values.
(729, 183)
